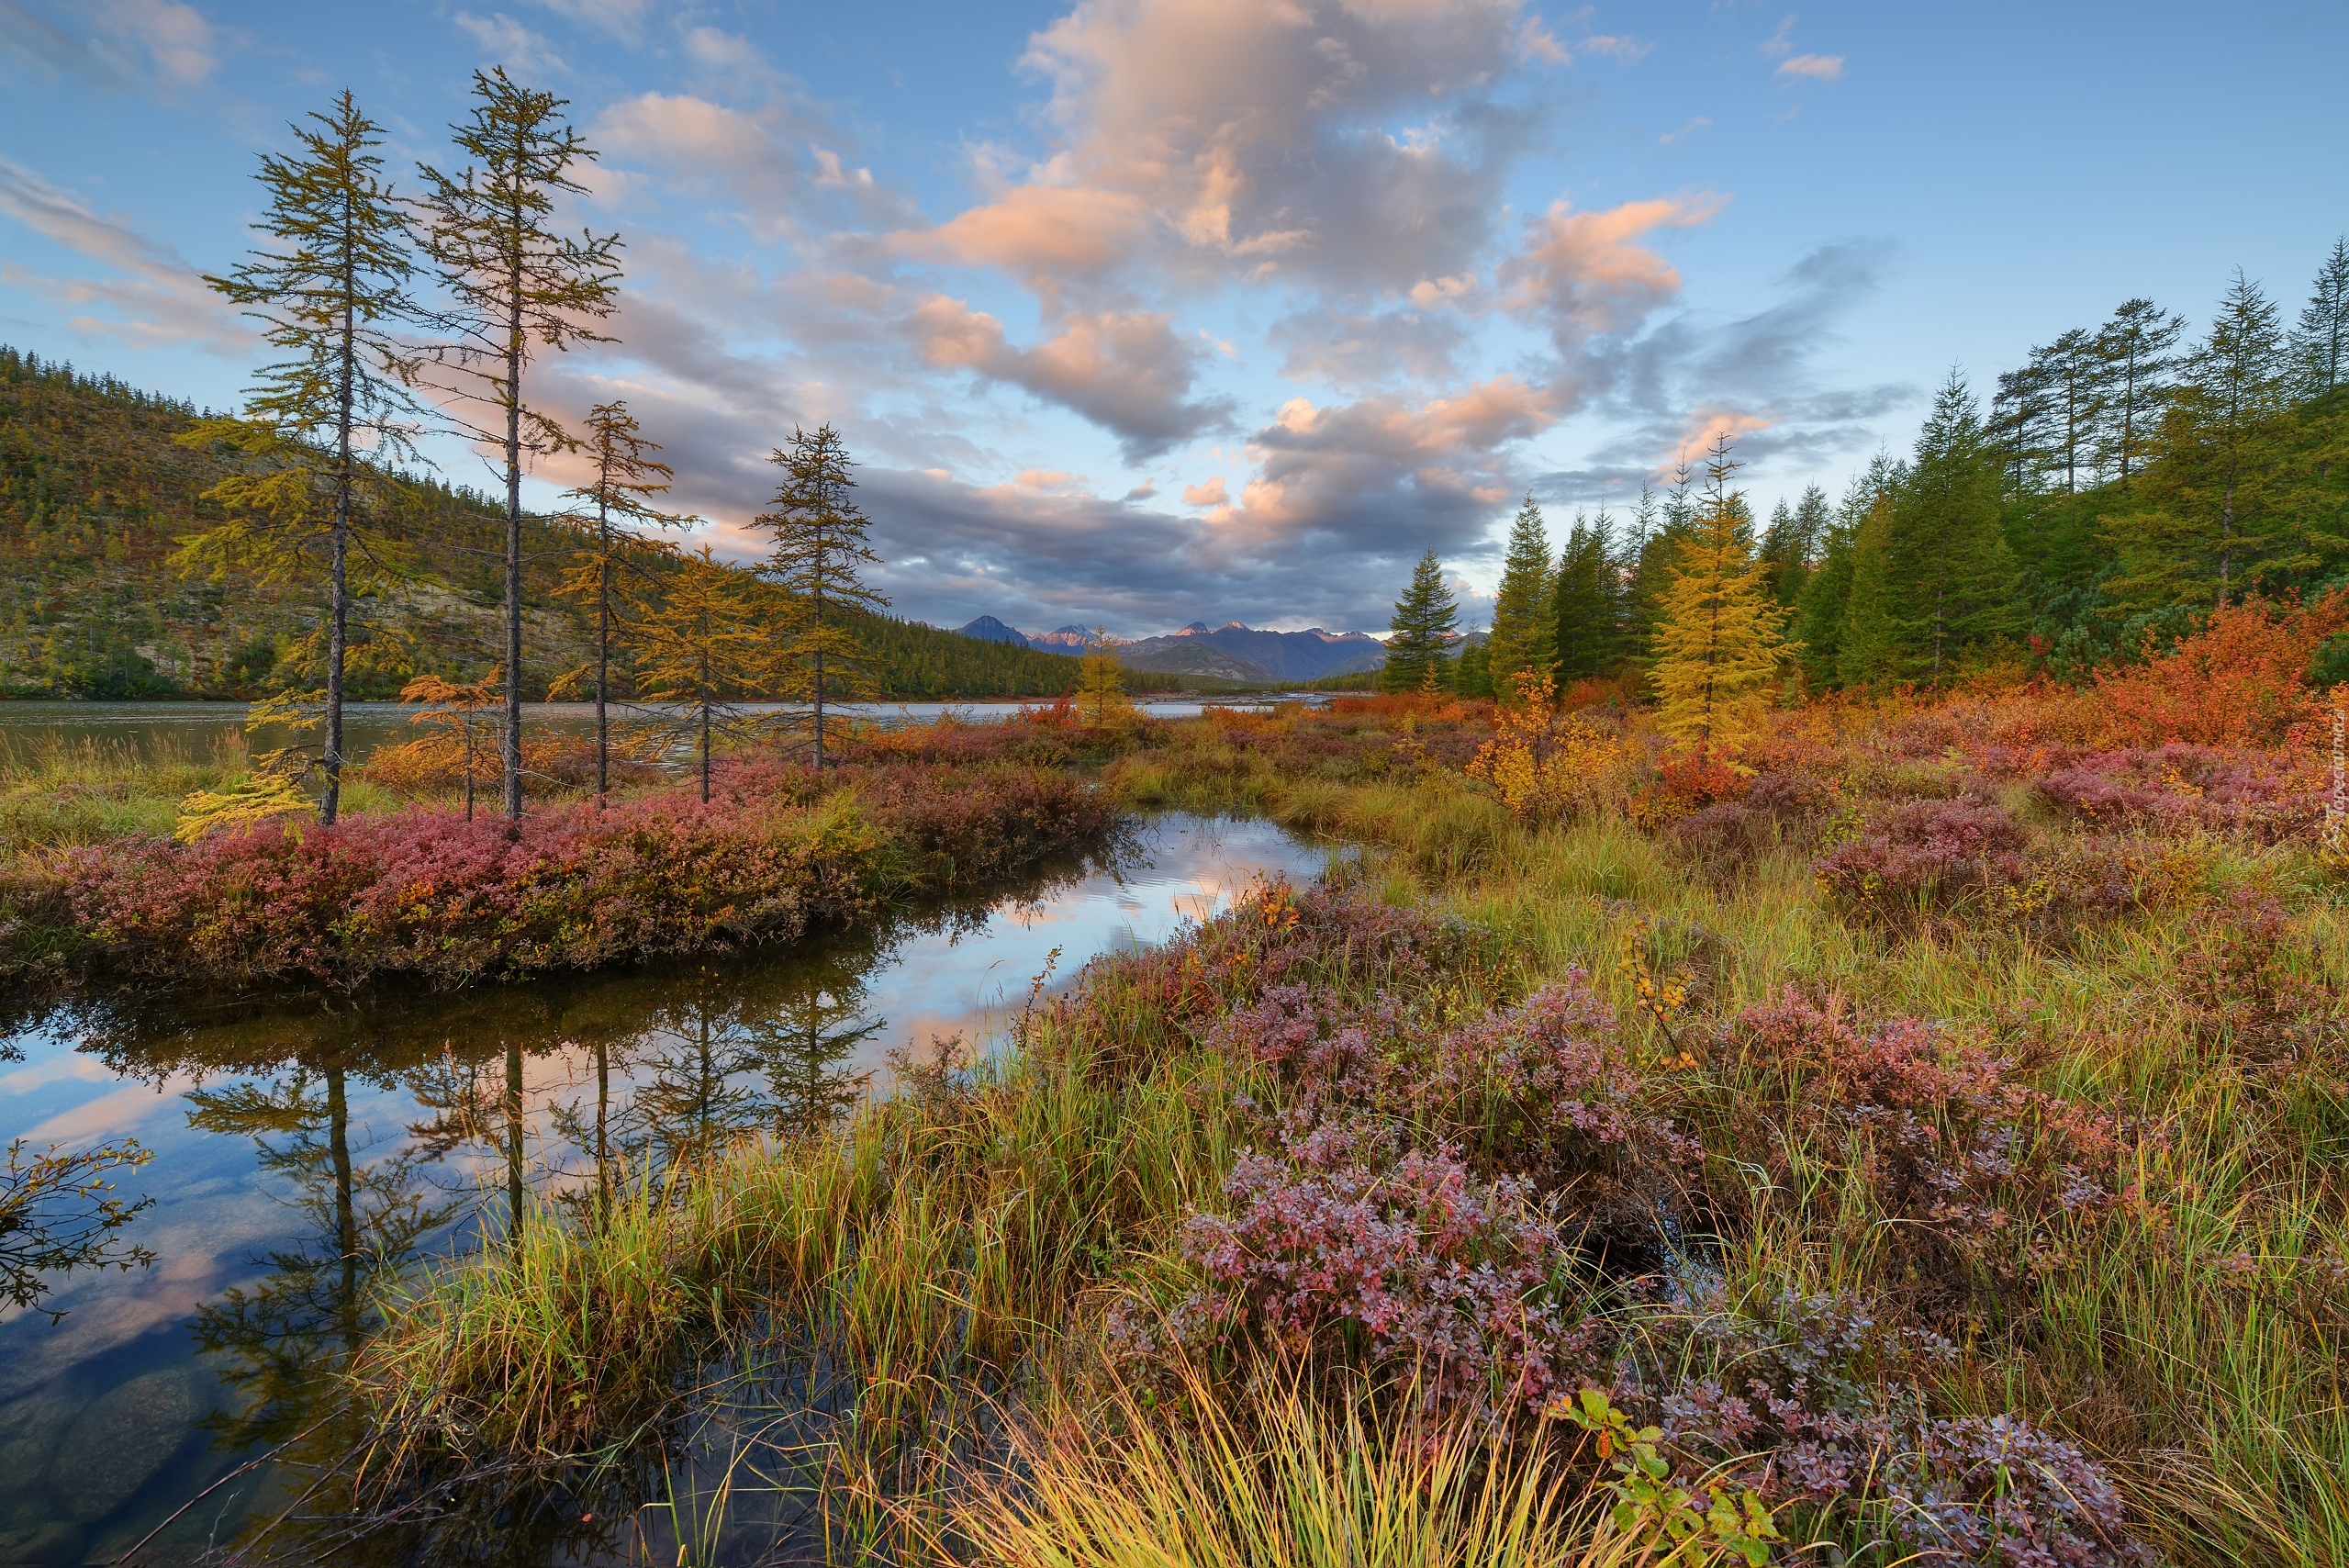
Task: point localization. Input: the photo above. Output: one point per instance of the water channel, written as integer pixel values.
(281, 1125)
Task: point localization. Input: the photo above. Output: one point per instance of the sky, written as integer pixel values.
(1141, 312)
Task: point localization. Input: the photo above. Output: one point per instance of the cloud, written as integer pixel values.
(751, 155)
(1373, 349)
(1129, 374)
(505, 42)
(1583, 273)
(1209, 494)
(623, 19)
(128, 42)
(1818, 67)
(1349, 144)
(160, 298)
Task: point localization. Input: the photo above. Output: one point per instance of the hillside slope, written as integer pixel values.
(94, 495)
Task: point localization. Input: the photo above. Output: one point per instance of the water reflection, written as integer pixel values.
(309, 1151)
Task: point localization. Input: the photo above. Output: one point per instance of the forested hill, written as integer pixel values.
(94, 495)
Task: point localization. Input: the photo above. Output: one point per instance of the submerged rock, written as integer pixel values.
(118, 1444)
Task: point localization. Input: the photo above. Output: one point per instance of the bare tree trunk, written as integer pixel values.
(603, 642)
(512, 742)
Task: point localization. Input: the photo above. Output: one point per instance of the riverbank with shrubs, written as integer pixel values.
(1918, 1133)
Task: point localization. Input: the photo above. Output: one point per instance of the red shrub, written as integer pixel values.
(1924, 855)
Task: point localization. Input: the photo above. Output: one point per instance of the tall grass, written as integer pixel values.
(1287, 1481)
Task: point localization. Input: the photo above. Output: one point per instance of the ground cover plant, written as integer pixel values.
(1914, 1134)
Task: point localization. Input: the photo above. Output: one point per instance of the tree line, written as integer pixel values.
(2123, 483)
(393, 315)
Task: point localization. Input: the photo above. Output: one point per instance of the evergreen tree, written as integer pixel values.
(2216, 523)
(1421, 631)
(1718, 643)
(818, 558)
(2321, 343)
(2135, 347)
(517, 288)
(1473, 671)
(625, 476)
(331, 296)
(1584, 608)
(699, 649)
(1657, 530)
(1524, 619)
(1953, 575)
(1867, 648)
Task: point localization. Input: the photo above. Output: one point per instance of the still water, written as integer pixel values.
(193, 728)
(303, 1151)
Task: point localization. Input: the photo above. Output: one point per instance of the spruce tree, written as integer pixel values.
(819, 557)
(517, 288)
(1719, 642)
(2216, 516)
(331, 296)
(2135, 347)
(1421, 631)
(1657, 529)
(1867, 645)
(1952, 573)
(1524, 619)
(2321, 342)
(1473, 671)
(1584, 608)
(625, 474)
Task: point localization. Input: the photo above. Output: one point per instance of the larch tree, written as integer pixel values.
(603, 511)
(1421, 631)
(517, 288)
(1719, 641)
(1525, 622)
(331, 296)
(1952, 574)
(1100, 679)
(699, 649)
(818, 559)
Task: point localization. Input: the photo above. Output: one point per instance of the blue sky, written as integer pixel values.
(1158, 311)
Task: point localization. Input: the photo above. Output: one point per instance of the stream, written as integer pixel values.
(305, 1152)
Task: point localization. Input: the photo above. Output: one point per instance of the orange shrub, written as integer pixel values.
(2239, 681)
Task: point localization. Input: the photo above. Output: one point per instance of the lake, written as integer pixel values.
(280, 1126)
(193, 728)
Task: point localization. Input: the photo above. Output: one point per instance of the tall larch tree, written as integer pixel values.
(818, 558)
(1720, 641)
(331, 296)
(605, 511)
(1421, 631)
(1953, 577)
(1524, 634)
(516, 287)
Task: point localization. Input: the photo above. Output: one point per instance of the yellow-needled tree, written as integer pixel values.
(1100, 680)
(309, 494)
(1720, 640)
(818, 560)
(701, 650)
(611, 555)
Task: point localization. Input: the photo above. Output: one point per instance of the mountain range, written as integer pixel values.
(1232, 650)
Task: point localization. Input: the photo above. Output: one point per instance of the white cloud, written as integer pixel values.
(1818, 67)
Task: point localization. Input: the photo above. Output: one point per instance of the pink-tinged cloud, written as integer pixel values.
(1209, 494)
(157, 297)
(1129, 372)
(1585, 274)
(1236, 139)
(1817, 67)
